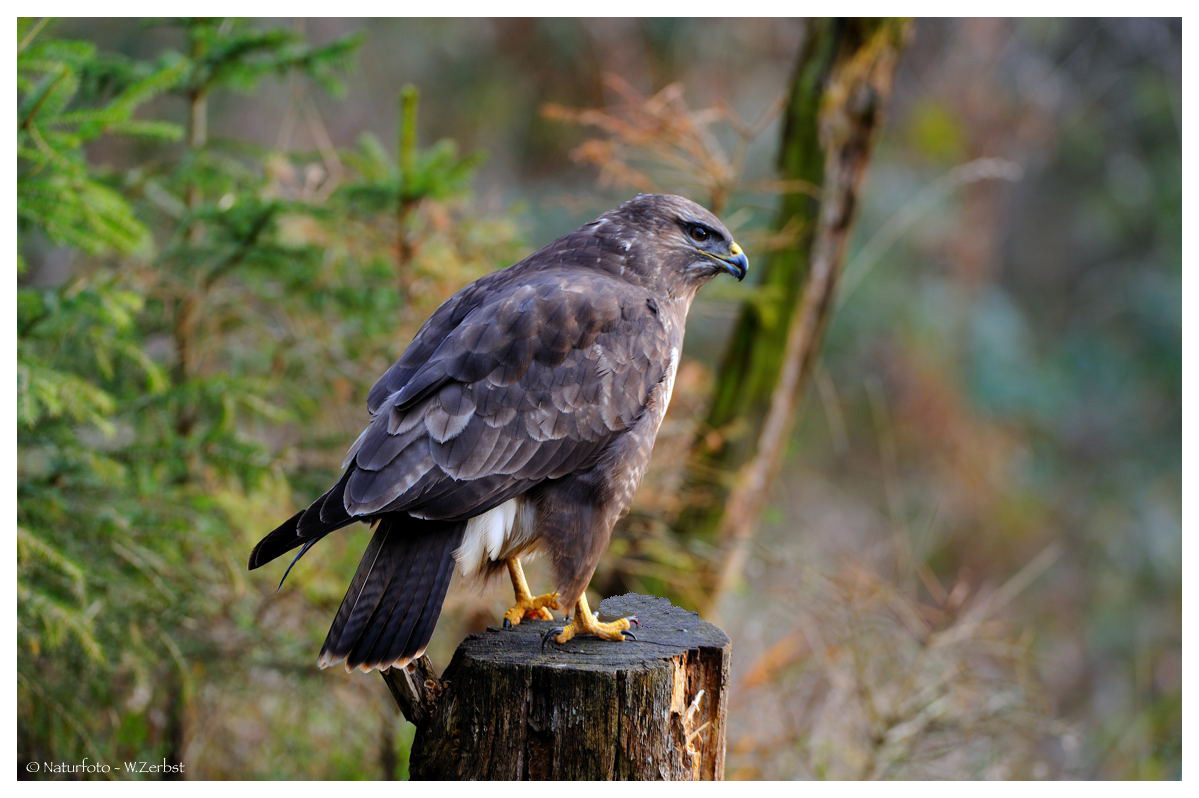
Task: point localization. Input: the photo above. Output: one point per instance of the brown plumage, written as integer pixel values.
(519, 420)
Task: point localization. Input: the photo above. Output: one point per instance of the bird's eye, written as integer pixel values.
(698, 234)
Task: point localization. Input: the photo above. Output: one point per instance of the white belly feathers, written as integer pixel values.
(497, 534)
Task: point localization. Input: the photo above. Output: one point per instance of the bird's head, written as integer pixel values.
(674, 240)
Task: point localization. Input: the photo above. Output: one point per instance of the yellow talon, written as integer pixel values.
(534, 608)
(527, 606)
(585, 622)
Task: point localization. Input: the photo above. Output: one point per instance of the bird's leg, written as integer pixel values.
(527, 606)
(585, 622)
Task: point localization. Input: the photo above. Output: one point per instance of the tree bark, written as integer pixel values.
(841, 82)
(754, 356)
(648, 709)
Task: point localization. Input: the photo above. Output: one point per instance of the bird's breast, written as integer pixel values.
(630, 458)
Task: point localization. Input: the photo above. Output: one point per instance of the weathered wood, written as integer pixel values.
(650, 708)
(415, 689)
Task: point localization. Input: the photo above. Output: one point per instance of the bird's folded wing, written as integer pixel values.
(532, 382)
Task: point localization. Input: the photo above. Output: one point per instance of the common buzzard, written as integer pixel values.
(520, 420)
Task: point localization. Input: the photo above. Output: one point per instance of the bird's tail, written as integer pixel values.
(388, 614)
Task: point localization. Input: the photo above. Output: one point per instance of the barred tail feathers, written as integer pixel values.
(391, 608)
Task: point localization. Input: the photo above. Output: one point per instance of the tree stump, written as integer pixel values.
(650, 708)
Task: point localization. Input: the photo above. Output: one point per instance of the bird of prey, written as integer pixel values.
(519, 421)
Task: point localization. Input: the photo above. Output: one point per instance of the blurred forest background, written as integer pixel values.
(969, 563)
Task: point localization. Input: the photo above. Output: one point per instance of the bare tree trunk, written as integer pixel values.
(511, 707)
(841, 83)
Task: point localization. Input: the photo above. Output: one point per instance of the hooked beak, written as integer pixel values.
(735, 263)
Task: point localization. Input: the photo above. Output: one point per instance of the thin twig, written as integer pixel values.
(33, 33)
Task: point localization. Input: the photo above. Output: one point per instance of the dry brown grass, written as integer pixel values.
(865, 672)
(648, 142)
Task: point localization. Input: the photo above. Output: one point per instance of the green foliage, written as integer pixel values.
(384, 184)
(935, 133)
(437, 172)
(56, 191)
(212, 307)
(233, 54)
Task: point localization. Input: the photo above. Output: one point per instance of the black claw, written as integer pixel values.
(633, 620)
(550, 635)
(629, 634)
(507, 623)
